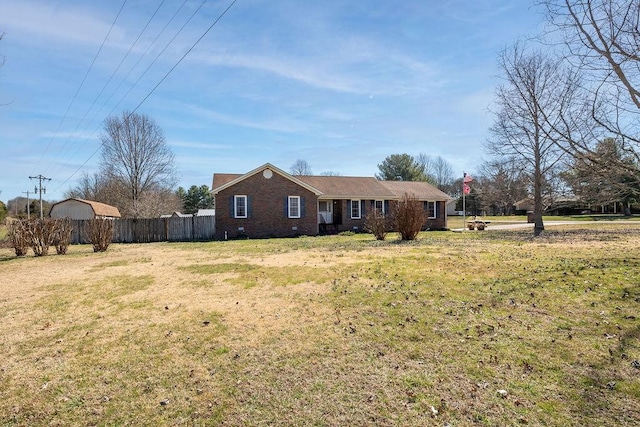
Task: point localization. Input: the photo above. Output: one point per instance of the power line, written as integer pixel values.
(185, 54)
(161, 80)
(81, 84)
(126, 76)
(109, 80)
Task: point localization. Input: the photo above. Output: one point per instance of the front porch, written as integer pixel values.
(329, 216)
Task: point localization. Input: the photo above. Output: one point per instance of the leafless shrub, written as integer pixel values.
(377, 224)
(62, 238)
(40, 235)
(18, 237)
(409, 217)
(100, 232)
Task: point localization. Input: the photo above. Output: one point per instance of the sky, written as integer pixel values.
(340, 84)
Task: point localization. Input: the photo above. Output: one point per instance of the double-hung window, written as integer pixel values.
(431, 209)
(240, 206)
(355, 209)
(294, 207)
(379, 205)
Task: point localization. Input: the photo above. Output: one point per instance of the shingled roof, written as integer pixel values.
(421, 190)
(345, 187)
(99, 209)
(338, 187)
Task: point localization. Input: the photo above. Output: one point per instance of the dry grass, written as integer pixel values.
(327, 331)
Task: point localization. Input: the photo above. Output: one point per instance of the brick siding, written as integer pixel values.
(267, 200)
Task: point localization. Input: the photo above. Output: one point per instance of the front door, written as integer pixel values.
(325, 212)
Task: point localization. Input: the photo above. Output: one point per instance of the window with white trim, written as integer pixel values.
(240, 206)
(355, 209)
(431, 209)
(379, 205)
(294, 206)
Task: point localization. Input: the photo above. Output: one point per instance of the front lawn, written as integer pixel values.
(460, 329)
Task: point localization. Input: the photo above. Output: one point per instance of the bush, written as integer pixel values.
(409, 217)
(62, 238)
(18, 237)
(40, 235)
(377, 224)
(100, 232)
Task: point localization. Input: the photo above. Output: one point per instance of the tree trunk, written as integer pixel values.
(538, 226)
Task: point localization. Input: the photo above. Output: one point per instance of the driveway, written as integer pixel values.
(496, 225)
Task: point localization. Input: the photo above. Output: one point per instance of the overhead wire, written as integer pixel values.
(78, 148)
(80, 86)
(126, 55)
(220, 16)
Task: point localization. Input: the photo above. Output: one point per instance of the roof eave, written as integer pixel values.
(274, 169)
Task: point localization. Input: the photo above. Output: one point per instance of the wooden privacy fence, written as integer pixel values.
(147, 230)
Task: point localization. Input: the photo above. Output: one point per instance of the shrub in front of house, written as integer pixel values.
(377, 223)
(409, 217)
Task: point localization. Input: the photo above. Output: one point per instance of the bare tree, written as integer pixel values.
(136, 159)
(602, 42)
(437, 170)
(155, 202)
(300, 167)
(530, 102)
(89, 187)
(502, 184)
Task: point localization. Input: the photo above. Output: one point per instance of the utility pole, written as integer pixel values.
(40, 189)
(28, 207)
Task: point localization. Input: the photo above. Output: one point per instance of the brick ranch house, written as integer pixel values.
(268, 202)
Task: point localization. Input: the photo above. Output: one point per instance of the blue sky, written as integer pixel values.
(341, 84)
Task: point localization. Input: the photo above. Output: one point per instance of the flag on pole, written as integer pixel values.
(465, 183)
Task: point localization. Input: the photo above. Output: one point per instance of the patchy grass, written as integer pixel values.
(493, 328)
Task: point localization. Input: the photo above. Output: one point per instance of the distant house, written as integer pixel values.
(268, 202)
(572, 205)
(75, 208)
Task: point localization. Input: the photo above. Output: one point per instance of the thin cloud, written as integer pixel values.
(76, 26)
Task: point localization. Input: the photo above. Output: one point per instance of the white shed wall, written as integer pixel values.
(72, 209)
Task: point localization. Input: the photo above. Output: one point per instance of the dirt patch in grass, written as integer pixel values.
(488, 328)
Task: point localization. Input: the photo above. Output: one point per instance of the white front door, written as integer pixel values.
(325, 212)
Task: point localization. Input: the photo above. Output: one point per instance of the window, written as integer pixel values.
(431, 209)
(294, 206)
(379, 205)
(240, 206)
(355, 209)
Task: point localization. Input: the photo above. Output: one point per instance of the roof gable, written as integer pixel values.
(224, 181)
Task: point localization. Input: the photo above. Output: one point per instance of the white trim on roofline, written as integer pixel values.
(274, 169)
